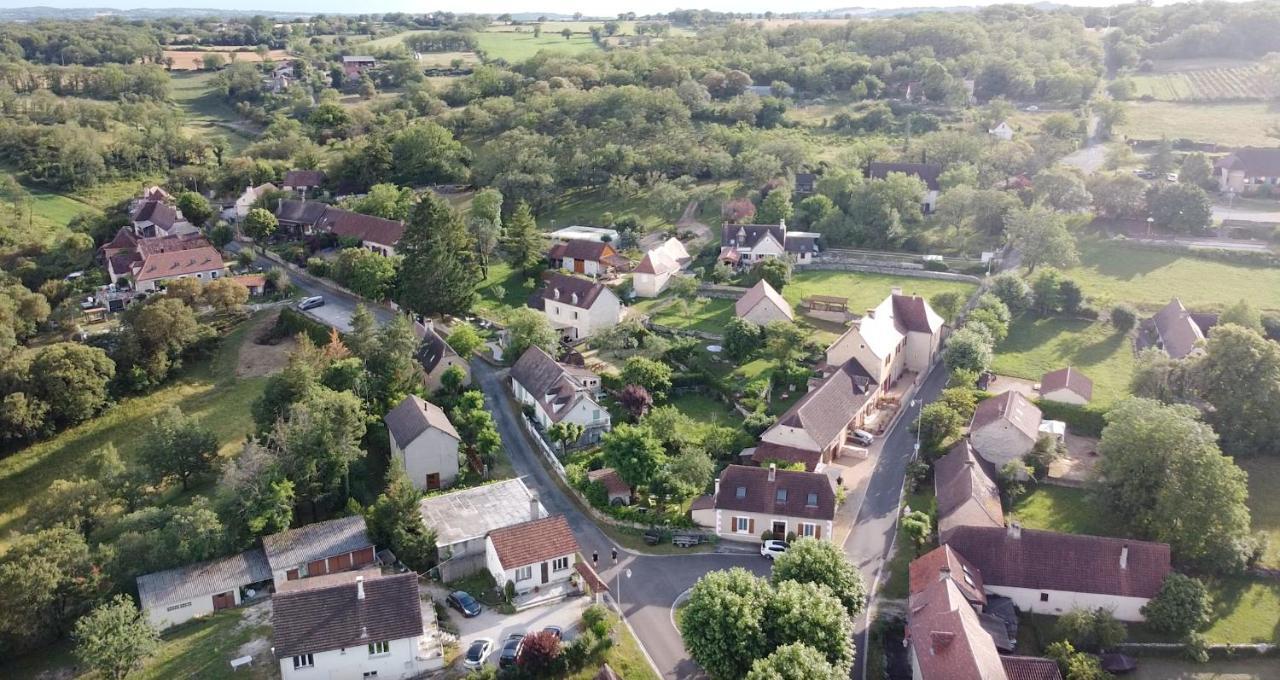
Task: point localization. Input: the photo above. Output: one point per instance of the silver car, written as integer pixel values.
(311, 302)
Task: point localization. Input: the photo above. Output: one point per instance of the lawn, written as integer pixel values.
(625, 657)
(207, 389)
(708, 315)
(502, 290)
(864, 290)
(584, 207)
(1150, 278)
(895, 580)
(201, 649)
(1155, 668)
(1233, 124)
(208, 115)
(1037, 346)
(516, 47)
(1057, 508)
(50, 212)
(1264, 502)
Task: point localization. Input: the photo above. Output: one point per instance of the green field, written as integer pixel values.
(1057, 508)
(208, 389)
(1150, 278)
(1233, 124)
(1037, 346)
(1264, 502)
(208, 115)
(50, 212)
(516, 47)
(864, 290)
(1204, 85)
(708, 315)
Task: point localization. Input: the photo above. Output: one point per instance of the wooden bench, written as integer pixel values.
(238, 663)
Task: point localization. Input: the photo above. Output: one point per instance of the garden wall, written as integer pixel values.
(891, 270)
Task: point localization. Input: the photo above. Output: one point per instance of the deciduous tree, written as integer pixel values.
(115, 638)
(810, 560)
(1239, 376)
(725, 625)
(635, 453)
(795, 661)
(1041, 237)
(1181, 608)
(259, 224)
(529, 328)
(178, 447)
(654, 376)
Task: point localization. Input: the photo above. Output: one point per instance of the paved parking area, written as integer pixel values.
(490, 624)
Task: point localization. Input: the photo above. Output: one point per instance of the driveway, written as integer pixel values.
(872, 538)
(656, 581)
(494, 626)
(338, 305)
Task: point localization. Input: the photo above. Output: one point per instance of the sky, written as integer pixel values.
(590, 8)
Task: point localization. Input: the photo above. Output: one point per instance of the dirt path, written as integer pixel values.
(258, 360)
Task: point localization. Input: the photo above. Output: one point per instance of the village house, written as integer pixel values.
(1003, 131)
(244, 202)
(317, 549)
(424, 442)
(750, 500)
(955, 631)
(806, 184)
(592, 258)
(354, 625)
(616, 491)
(1005, 428)
(538, 554)
(353, 66)
(463, 519)
(147, 264)
(158, 217)
(377, 234)
(177, 595)
(816, 429)
(901, 334)
(576, 307)
(658, 267)
(1177, 331)
(925, 172)
(1066, 386)
(1247, 170)
(560, 393)
(762, 304)
(966, 490)
(256, 284)
(1047, 572)
(300, 217)
(435, 356)
(303, 181)
(743, 245)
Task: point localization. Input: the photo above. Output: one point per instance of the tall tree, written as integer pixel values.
(635, 453)
(439, 274)
(115, 639)
(776, 207)
(178, 447)
(395, 521)
(1239, 375)
(724, 625)
(811, 614)
(1183, 208)
(47, 579)
(475, 427)
(524, 243)
(795, 661)
(528, 328)
(194, 207)
(259, 224)
(318, 442)
(814, 561)
(1042, 238)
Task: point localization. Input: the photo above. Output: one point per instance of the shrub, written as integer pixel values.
(1181, 608)
(756, 423)
(317, 266)
(1123, 316)
(767, 535)
(936, 266)
(596, 619)
(1090, 630)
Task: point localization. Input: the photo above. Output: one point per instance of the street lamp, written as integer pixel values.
(914, 404)
(1150, 223)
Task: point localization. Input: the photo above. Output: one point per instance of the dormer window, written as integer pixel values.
(811, 501)
(742, 492)
(781, 496)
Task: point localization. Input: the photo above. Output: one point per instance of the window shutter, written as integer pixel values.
(817, 531)
(751, 525)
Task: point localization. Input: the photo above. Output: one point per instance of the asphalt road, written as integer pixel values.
(338, 305)
(877, 525)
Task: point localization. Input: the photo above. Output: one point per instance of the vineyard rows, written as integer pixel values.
(1214, 84)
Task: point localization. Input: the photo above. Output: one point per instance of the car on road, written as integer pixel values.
(311, 302)
(862, 437)
(464, 603)
(511, 650)
(772, 548)
(478, 653)
(555, 631)
(1033, 108)
(1171, 177)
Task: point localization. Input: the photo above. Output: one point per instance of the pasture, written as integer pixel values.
(46, 216)
(515, 47)
(1230, 83)
(1229, 124)
(193, 60)
(208, 115)
(1037, 346)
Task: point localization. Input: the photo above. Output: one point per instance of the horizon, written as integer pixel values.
(607, 9)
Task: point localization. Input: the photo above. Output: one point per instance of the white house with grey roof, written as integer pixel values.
(560, 393)
(463, 519)
(317, 549)
(425, 443)
(901, 334)
(743, 245)
(174, 596)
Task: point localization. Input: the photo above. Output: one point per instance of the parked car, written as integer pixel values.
(311, 302)
(464, 603)
(478, 653)
(511, 650)
(1171, 177)
(772, 548)
(554, 630)
(862, 437)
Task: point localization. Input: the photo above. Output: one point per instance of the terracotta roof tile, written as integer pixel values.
(178, 263)
(532, 542)
(941, 563)
(1030, 668)
(304, 178)
(612, 482)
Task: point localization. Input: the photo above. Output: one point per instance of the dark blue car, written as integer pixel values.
(464, 603)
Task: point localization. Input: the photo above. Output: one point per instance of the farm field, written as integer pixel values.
(1150, 278)
(50, 212)
(1037, 346)
(1205, 84)
(1228, 124)
(515, 47)
(207, 114)
(208, 389)
(193, 60)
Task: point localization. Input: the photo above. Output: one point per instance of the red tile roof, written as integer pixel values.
(582, 249)
(824, 411)
(1047, 560)
(613, 483)
(1030, 668)
(766, 451)
(532, 542)
(945, 563)
(1069, 379)
(948, 638)
(177, 263)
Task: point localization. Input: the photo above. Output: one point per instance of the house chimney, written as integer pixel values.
(359, 587)
(1014, 530)
(1124, 556)
(534, 513)
(940, 640)
(773, 471)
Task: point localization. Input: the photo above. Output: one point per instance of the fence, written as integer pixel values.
(822, 264)
(907, 260)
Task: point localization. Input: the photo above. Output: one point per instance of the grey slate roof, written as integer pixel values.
(413, 416)
(1178, 331)
(288, 549)
(300, 212)
(331, 616)
(304, 178)
(761, 494)
(570, 290)
(1253, 161)
(550, 383)
(926, 172)
(825, 410)
(432, 349)
(1011, 407)
(203, 578)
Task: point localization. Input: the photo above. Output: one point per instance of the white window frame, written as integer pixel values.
(524, 573)
(304, 661)
(379, 648)
(560, 564)
(741, 525)
(808, 530)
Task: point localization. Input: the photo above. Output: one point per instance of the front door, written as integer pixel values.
(780, 530)
(433, 481)
(225, 600)
(544, 573)
(579, 266)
